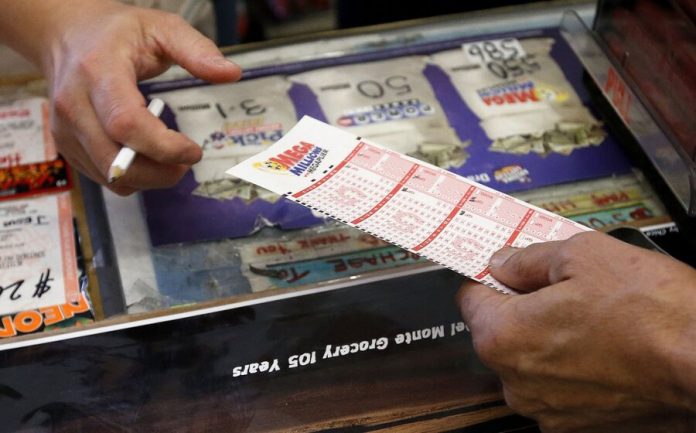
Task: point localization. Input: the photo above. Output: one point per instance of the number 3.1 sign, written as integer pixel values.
(493, 50)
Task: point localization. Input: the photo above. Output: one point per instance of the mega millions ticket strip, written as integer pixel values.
(222, 305)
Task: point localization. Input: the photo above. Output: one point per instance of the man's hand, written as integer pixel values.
(93, 52)
(603, 340)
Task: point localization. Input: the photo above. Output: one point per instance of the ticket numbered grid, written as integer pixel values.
(446, 218)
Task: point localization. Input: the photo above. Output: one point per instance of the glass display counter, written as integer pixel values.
(128, 262)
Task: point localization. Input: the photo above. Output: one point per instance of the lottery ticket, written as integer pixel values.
(37, 253)
(422, 208)
(25, 137)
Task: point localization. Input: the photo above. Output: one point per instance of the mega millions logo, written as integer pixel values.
(512, 173)
(301, 159)
(521, 93)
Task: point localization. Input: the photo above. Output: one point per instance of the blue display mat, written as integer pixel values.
(175, 215)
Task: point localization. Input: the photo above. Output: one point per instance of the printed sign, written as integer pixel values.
(495, 50)
(231, 121)
(525, 103)
(390, 101)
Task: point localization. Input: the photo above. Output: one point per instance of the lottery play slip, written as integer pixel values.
(443, 217)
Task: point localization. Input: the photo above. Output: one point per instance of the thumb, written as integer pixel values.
(194, 52)
(477, 304)
(525, 269)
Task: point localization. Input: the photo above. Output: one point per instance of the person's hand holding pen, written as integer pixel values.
(93, 52)
(126, 155)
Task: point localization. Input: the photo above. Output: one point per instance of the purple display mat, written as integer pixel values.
(174, 215)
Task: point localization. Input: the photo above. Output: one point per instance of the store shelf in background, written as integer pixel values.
(315, 22)
(272, 19)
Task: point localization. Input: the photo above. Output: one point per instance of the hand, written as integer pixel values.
(93, 53)
(603, 340)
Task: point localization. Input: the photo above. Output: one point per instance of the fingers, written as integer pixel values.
(194, 52)
(147, 174)
(526, 269)
(478, 303)
(71, 149)
(99, 108)
(122, 112)
(83, 142)
(491, 318)
(543, 264)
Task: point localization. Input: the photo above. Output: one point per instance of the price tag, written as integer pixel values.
(493, 50)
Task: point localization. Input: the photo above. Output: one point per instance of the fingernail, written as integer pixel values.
(501, 256)
(223, 61)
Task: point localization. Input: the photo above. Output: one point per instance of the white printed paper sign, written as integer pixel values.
(231, 121)
(25, 137)
(37, 254)
(521, 95)
(389, 100)
(443, 217)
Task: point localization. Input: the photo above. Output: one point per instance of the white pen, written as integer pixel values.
(126, 155)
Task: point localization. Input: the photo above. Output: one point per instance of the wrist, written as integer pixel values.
(36, 29)
(676, 349)
(25, 26)
(682, 365)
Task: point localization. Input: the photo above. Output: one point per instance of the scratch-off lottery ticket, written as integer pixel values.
(443, 217)
(24, 132)
(37, 256)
